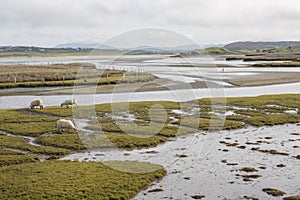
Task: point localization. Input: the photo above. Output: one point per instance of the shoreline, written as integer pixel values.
(147, 87)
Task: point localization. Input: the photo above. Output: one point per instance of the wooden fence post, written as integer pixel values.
(107, 78)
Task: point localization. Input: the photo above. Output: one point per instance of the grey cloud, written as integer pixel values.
(51, 22)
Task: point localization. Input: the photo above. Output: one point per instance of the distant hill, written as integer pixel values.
(33, 49)
(76, 45)
(188, 47)
(260, 45)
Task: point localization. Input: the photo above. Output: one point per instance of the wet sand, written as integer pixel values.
(265, 78)
(163, 84)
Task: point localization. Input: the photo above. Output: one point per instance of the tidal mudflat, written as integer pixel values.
(246, 148)
(215, 163)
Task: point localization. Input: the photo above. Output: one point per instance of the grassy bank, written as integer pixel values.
(263, 110)
(63, 52)
(278, 64)
(52, 75)
(76, 180)
(263, 56)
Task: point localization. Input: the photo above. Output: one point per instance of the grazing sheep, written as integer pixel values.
(69, 102)
(63, 124)
(35, 103)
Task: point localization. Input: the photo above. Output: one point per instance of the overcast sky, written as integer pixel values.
(47, 23)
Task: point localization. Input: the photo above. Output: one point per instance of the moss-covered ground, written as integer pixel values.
(76, 180)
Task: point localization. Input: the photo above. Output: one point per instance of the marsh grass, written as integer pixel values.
(209, 124)
(76, 180)
(73, 180)
(259, 111)
(48, 72)
(55, 111)
(29, 129)
(52, 75)
(9, 157)
(289, 100)
(64, 140)
(248, 169)
(236, 117)
(14, 116)
(141, 132)
(9, 152)
(292, 198)
(6, 160)
(134, 141)
(273, 119)
(273, 192)
(258, 114)
(22, 144)
(278, 64)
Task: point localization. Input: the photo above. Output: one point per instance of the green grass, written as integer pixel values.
(22, 144)
(15, 122)
(6, 160)
(64, 140)
(236, 117)
(136, 106)
(286, 100)
(29, 129)
(152, 125)
(134, 141)
(76, 180)
(155, 128)
(14, 116)
(209, 124)
(55, 111)
(110, 139)
(113, 79)
(74, 52)
(121, 140)
(216, 50)
(53, 72)
(9, 157)
(53, 75)
(273, 119)
(278, 64)
(9, 152)
(259, 112)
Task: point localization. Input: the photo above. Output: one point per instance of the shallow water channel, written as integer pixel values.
(212, 169)
(23, 101)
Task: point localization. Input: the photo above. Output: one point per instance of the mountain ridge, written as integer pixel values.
(250, 45)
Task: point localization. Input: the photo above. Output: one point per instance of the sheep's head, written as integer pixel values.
(61, 105)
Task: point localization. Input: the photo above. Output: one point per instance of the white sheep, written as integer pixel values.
(69, 102)
(63, 124)
(37, 102)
